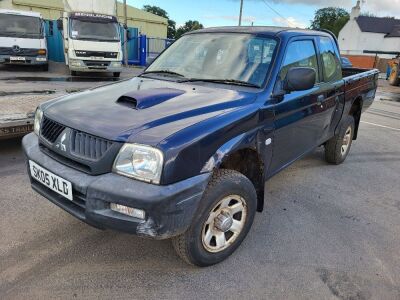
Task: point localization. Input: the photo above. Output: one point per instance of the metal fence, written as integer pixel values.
(157, 45)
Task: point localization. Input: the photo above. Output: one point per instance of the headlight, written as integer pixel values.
(38, 121)
(75, 63)
(116, 64)
(140, 162)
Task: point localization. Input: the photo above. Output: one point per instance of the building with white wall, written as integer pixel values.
(363, 33)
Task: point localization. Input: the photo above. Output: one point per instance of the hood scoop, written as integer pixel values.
(147, 98)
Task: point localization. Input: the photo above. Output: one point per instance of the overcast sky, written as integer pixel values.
(261, 12)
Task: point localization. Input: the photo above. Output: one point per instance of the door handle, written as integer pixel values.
(320, 99)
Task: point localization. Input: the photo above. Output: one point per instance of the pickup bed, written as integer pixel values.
(183, 150)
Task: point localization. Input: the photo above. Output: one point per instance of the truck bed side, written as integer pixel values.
(360, 89)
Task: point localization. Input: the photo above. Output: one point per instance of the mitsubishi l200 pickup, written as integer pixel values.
(183, 150)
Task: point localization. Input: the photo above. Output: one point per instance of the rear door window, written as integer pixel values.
(330, 61)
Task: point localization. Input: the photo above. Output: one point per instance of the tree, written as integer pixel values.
(162, 13)
(189, 26)
(330, 18)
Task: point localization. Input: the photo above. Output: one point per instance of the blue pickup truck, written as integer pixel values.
(183, 150)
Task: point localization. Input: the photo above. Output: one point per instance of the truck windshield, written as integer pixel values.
(94, 31)
(20, 26)
(218, 56)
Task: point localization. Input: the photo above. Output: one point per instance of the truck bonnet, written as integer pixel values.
(143, 110)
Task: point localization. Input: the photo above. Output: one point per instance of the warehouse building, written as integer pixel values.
(146, 23)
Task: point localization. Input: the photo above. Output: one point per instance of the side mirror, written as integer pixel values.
(60, 25)
(300, 79)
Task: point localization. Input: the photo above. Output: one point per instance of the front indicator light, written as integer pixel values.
(129, 211)
(42, 51)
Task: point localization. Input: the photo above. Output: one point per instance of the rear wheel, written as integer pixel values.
(394, 76)
(225, 216)
(338, 147)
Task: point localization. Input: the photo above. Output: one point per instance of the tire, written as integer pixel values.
(394, 79)
(230, 196)
(338, 147)
(74, 73)
(116, 74)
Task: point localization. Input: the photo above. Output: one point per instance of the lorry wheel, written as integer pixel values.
(394, 79)
(338, 147)
(74, 73)
(224, 218)
(116, 74)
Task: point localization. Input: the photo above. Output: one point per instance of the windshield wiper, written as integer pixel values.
(223, 81)
(162, 72)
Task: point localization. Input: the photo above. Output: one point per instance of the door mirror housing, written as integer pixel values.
(300, 79)
(60, 25)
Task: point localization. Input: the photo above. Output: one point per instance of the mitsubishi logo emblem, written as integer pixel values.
(61, 144)
(16, 49)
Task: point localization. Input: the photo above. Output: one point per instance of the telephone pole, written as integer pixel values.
(241, 12)
(125, 34)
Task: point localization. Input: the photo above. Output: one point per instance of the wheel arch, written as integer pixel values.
(241, 154)
(355, 111)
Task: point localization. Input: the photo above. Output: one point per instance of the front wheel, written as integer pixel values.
(338, 147)
(116, 74)
(225, 216)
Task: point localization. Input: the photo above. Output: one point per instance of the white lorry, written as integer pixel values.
(91, 34)
(22, 38)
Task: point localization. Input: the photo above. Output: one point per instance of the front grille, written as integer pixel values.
(96, 54)
(96, 64)
(22, 51)
(86, 146)
(51, 130)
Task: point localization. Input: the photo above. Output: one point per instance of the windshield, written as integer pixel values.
(222, 56)
(96, 31)
(20, 26)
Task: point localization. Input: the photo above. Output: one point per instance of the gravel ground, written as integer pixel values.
(327, 232)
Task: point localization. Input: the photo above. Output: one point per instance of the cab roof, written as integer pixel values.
(261, 30)
(20, 13)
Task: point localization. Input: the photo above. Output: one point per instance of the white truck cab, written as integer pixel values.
(22, 38)
(92, 39)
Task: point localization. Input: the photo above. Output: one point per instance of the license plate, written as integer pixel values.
(50, 180)
(19, 58)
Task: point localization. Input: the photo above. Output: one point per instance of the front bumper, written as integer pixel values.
(169, 209)
(29, 60)
(81, 65)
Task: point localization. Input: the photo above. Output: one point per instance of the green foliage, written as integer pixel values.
(330, 18)
(162, 13)
(189, 26)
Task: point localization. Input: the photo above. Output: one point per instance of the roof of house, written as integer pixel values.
(388, 26)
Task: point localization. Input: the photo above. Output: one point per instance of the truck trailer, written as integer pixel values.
(91, 36)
